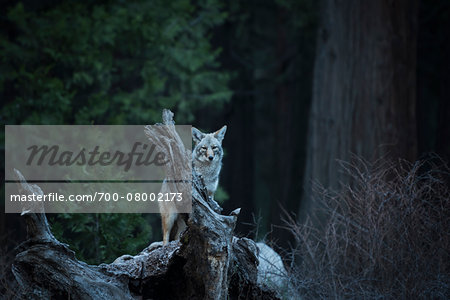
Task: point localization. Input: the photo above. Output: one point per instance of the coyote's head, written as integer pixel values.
(208, 146)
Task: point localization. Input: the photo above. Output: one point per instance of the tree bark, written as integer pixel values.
(206, 263)
(364, 90)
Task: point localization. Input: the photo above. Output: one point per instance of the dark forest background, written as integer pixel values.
(300, 85)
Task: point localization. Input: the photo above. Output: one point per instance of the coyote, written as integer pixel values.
(207, 157)
(207, 162)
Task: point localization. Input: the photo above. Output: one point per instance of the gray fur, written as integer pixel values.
(206, 146)
(197, 135)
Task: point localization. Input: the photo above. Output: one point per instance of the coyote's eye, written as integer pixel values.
(203, 148)
(214, 147)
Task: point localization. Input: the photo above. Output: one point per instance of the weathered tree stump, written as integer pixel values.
(206, 263)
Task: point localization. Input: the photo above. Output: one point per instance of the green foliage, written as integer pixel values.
(108, 62)
(118, 62)
(221, 195)
(98, 238)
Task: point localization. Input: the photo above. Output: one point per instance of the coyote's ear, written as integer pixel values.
(220, 134)
(197, 135)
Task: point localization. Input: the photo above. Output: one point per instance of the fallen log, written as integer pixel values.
(206, 263)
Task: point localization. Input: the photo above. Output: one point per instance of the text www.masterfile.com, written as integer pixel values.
(98, 197)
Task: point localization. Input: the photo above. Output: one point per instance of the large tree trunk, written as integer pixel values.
(207, 262)
(364, 91)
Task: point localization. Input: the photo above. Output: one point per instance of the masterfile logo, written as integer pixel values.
(93, 168)
(86, 152)
(51, 155)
